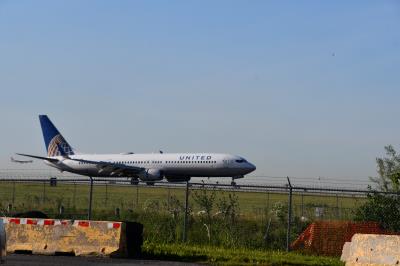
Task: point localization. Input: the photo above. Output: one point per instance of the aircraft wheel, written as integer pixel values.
(233, 184)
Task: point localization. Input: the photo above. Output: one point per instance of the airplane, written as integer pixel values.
(147, 167)
(20, 161)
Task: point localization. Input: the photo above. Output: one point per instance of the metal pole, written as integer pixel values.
(13, 193)
(169, 197)
(74, 195)
(90, 198)
(302, 204)
(137, 196)
(184, 238)
(106, 194)
(44, 191)
(337, 206)
(289, 223)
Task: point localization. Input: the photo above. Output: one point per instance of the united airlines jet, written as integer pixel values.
(174, 167)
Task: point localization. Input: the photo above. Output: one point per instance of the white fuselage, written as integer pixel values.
(169, 164)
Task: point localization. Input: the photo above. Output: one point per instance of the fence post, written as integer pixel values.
(185, 222)
(106, 194)
(168, 198)
(90, 198)
(137, 196)
(302, 204)
(337, 206)
(44, 191)
(289, 223)
(74, 195)
(13, 193)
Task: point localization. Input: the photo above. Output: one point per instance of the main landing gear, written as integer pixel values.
(134, 181)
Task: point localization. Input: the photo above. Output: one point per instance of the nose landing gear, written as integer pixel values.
(233, 183)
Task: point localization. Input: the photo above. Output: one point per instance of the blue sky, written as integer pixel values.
(300, 88)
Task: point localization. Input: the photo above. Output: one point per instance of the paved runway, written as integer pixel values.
(37, 260)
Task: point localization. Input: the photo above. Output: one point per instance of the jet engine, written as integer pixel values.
(177, 178)
(151, 175)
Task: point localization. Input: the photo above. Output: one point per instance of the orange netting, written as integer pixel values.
(328, 237)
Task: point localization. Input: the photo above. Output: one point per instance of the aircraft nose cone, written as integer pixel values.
(251, 167)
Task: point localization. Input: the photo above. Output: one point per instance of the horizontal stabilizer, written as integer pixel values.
(40, 157)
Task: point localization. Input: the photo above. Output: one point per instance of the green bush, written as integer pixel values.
(384, 207)
(381, 208)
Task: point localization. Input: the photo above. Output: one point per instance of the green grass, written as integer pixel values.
(222, 256)
(41, 196)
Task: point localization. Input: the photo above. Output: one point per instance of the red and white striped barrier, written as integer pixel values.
(80, 237)
(77, 223)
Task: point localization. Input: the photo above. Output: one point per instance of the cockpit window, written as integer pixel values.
(241, 161)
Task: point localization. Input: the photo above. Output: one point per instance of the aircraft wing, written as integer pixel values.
(53, 160)
(113, 168)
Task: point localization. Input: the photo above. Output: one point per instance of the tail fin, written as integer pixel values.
(53, 139)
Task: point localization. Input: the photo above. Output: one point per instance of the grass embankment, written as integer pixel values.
(221, 256)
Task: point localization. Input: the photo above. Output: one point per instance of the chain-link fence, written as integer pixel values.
(251, 216)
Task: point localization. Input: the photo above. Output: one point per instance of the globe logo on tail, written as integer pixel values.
(57, 141)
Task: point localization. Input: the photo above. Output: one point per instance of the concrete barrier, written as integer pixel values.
(345, 252)
(79, 237)
(372, 249)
